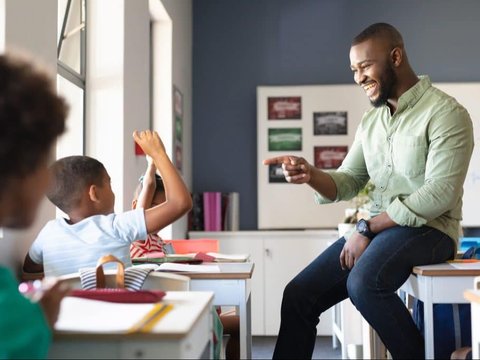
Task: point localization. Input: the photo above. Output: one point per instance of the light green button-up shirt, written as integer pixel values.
(417, 159)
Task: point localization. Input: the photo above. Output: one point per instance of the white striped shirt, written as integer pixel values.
(63, 248)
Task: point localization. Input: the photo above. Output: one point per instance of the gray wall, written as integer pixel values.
(241, 44)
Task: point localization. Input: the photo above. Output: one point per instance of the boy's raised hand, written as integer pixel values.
(149, 141)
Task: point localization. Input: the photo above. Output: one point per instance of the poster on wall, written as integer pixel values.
(329, 157)
(283, 108)
(275, 174)
(178, 126)
(330, 123)
(285, 139)
(316, 122)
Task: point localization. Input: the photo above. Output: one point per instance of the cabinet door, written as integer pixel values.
(285, 257)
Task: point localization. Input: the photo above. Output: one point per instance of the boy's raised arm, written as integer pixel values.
(149, 185)
(178, 200)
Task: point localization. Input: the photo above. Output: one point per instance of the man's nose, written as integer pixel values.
(359, 77)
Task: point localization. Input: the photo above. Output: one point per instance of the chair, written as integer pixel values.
(154, 281)
(184, 246)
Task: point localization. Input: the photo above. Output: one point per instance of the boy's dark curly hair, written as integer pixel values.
(71, 176)
(32, 116)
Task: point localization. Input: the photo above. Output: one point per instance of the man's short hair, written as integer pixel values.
(380, 30)
(71, 176)
(32, 116)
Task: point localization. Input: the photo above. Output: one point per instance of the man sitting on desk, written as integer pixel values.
(414, 145)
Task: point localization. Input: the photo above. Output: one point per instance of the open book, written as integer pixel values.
(218, 257)
(194, 258)
(171, 266)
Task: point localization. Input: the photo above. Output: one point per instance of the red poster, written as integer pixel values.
(329, 157)
(280, 108)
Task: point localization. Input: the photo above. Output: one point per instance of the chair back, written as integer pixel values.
(184, 246)
(155, 281)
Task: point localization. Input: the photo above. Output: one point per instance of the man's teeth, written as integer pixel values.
(369, 86)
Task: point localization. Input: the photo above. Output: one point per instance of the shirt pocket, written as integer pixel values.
(409, 155)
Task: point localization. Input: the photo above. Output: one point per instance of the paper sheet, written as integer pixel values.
(189, 268)
(83, 315)
(466, 265)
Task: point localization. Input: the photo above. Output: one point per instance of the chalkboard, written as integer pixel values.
(318, 122)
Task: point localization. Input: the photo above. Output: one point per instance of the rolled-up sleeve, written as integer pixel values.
(351, 176)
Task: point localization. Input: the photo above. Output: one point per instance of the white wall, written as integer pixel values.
(29, 26)
(118, 86)
(180, 12)
(118, 90)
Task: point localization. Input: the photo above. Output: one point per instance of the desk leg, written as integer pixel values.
(426, 283)
(245, 327)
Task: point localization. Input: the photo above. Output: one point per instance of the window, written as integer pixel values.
(71, 55)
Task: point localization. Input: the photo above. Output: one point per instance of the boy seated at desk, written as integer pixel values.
(81, 188)
(149, 193)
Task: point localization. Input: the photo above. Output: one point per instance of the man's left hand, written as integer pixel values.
(352, 250)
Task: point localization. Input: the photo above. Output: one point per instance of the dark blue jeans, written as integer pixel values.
(371, 285)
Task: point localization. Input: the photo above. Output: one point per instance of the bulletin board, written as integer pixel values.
(318, 122)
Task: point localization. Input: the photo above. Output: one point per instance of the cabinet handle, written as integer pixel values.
(267, 252)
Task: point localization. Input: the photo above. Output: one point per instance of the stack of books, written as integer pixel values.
(214, 211)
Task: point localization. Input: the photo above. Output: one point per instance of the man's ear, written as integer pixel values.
(92, 193)
(396, 55)
(134, 204)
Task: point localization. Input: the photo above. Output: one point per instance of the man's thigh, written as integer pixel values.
(392, 254)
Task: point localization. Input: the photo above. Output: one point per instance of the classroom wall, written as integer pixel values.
(181, 15)
(239, 45)
(119, 85)
(35, 34)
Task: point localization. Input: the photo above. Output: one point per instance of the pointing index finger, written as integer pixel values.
(277, 160)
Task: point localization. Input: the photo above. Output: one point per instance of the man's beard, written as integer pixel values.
(388, 82)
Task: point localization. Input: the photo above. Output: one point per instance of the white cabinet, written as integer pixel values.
(278, 257)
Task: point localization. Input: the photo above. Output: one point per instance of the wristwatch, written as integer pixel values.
(363, 229)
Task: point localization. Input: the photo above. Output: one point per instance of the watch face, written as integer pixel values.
(361, 226)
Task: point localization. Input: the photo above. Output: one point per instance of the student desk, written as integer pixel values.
(232, 288)
(184, 332)
(439, 283)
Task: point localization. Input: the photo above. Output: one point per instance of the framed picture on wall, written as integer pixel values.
(329, 157)
(283, 108)
(178, 126)
(275, 174)
(330, 123)
(284, 139)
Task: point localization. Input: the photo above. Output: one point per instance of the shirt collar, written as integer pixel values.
(410, 97)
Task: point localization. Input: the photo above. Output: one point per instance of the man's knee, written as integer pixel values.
(357, 287)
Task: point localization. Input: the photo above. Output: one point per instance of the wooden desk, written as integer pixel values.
(232, 288)
(434, 284)
(185, 332)
(474, 297)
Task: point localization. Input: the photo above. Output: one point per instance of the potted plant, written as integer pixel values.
(360, 208)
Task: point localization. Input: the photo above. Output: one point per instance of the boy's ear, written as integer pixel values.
(134, 204)
(92, 193)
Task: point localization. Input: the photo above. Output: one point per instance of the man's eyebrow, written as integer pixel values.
(360, 63)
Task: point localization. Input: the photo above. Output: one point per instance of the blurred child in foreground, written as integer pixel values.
(32, 116)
